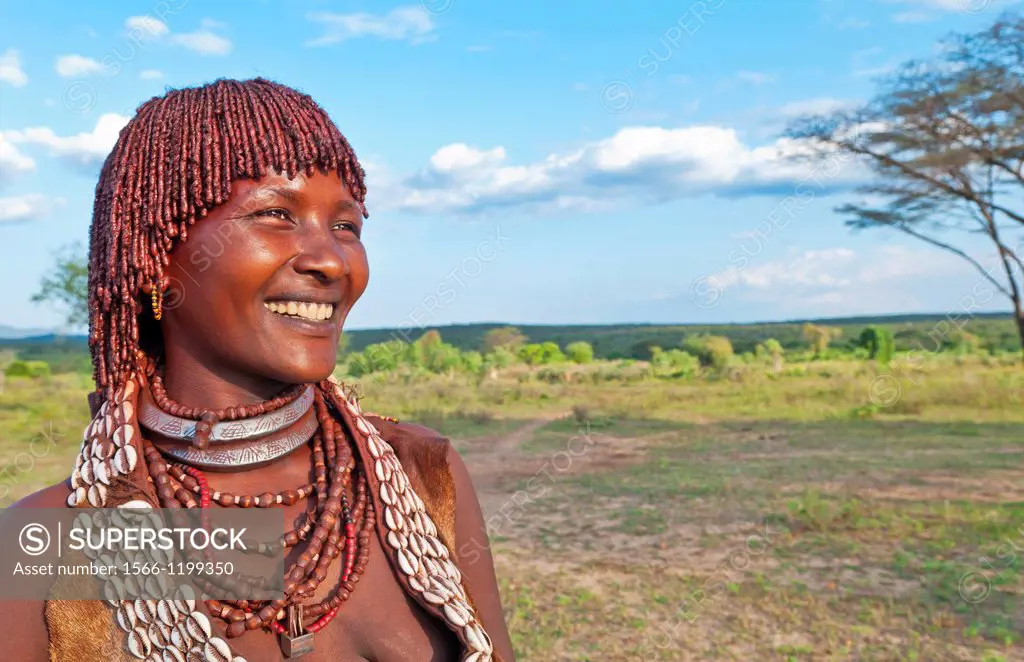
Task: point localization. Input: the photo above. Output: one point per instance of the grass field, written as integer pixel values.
(837, 512)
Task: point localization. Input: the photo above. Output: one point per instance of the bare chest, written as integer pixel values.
(378, 623)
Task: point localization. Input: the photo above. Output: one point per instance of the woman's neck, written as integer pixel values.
(192, 382)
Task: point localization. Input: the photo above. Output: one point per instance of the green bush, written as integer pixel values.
(963, 343)
(541, 354)
(712, 351)
(879, 343)
(674, 361)
(31, 369)
(580, 352)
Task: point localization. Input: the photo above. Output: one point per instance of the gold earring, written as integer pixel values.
(157, 295)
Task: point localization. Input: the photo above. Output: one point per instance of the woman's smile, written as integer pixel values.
(308, 315)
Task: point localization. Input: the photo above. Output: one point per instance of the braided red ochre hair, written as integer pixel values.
(173, 162)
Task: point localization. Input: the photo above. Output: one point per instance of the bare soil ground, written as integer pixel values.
(701, 543)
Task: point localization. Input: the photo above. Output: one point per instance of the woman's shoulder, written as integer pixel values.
(54, 496)
(413, 442)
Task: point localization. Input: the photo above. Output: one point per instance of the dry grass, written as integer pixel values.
(755, 518)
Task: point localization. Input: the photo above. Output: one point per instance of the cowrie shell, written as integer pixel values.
(473, 638)
(217, 650)
(198, 626)
(455, 615)
(159, 634)
(180, 638)
(139, 644)
(415, 546)
(433, 598)
(393, 519)
(387, 494)
(407, 562)
(396, 540)
(97, 495)
(88, 475)
(419, 582)
(173, 655)
(126, 618)
(113, 591)
(145, 610)
(125, 459)
(167, 612)
(101, 471)
(77, 497)
(123, 435)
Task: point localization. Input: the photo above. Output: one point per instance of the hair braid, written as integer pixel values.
(173, 162)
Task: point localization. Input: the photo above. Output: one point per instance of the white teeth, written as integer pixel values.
(310, 311)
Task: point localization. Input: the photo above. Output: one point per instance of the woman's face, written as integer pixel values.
(262, 285)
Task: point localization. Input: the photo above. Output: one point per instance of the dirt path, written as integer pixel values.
(492, 461)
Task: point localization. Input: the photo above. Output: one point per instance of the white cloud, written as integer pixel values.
(754, 77)
(26, 207)
(647, 162)
(853, 24)
(143, 27)
(839, 279)
(84, 150)
(151, 74)
(912, 17)
(744, 78)
(959, 6)
(818, 106)
(866, 63)
(809, 268)
(203, 42)
(409, 23)
(10, 69)
(945, 5)
(70, 66)
(949, 5)
(12, 160)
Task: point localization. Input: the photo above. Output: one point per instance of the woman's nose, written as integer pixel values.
(322, 255)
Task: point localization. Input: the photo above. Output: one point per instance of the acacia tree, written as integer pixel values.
(67, 285)
(507, 336)
(944, 138)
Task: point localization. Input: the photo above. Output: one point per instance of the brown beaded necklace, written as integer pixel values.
(333, 528)
(207, 418)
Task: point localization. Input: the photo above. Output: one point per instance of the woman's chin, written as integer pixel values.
(316, 369)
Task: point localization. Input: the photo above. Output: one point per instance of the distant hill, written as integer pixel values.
(626, 340)
(14, 333)
(630, 340)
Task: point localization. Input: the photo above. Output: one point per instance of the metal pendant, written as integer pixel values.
(297, 646)
(296, 643)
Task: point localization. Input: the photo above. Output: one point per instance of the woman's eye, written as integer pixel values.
(347, 225)
(276, 213)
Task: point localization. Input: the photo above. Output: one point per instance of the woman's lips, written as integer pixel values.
(314, 312)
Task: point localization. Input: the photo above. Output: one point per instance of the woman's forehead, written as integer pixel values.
(300, 188)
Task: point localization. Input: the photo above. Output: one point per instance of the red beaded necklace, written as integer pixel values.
(332, 528)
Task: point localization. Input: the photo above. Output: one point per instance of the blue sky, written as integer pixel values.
(527, 162)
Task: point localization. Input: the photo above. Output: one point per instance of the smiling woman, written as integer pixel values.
(225, 256)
